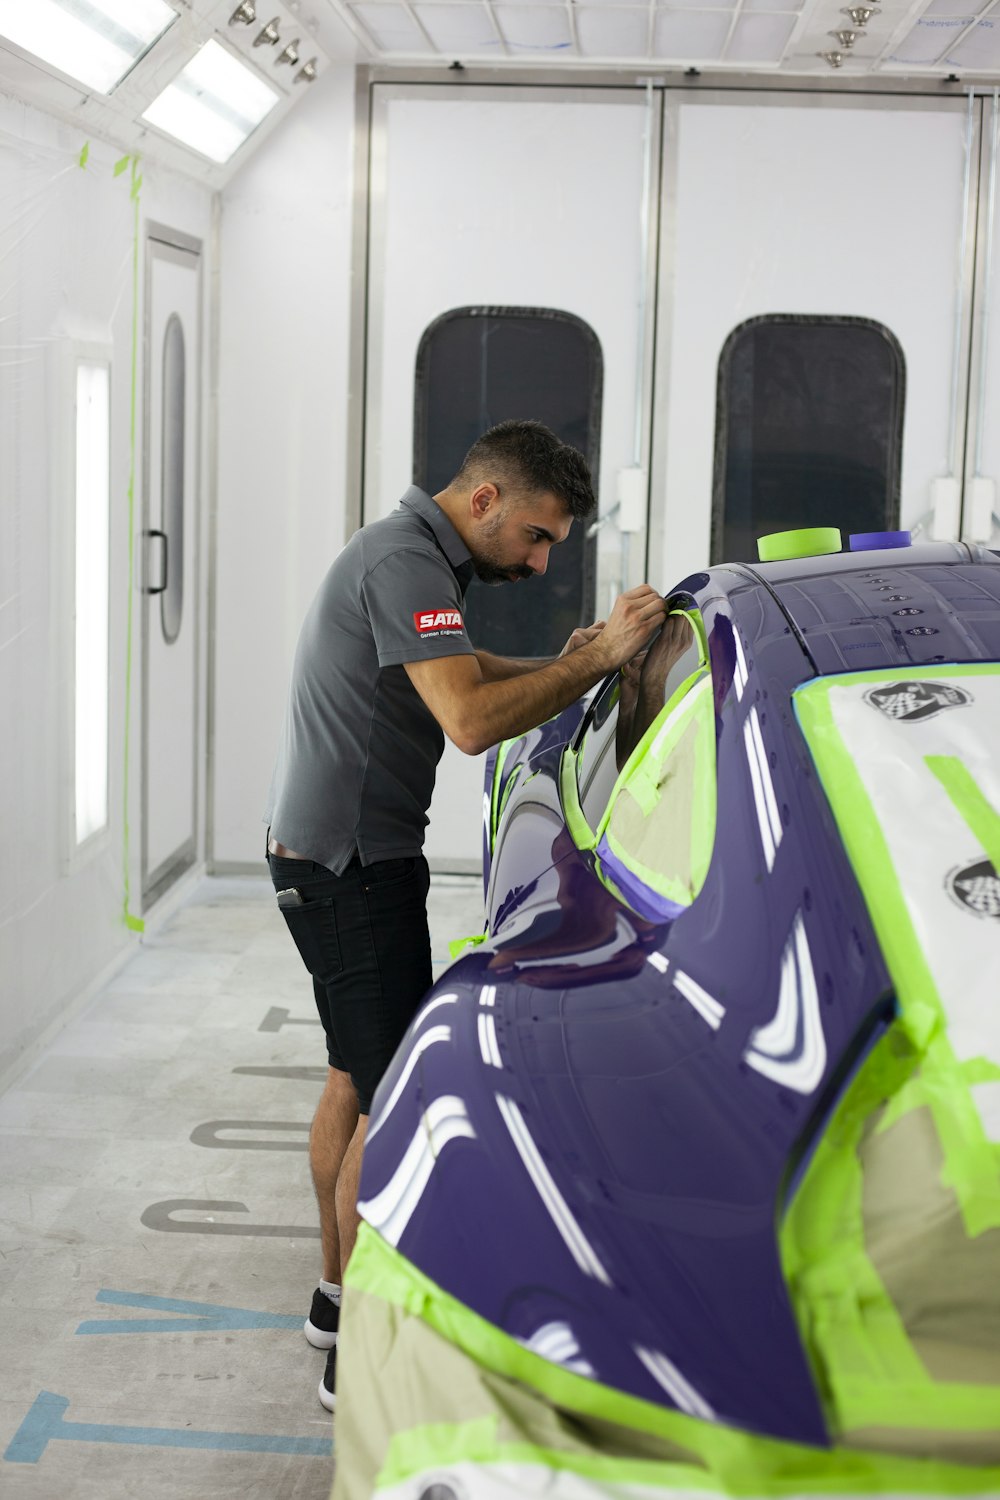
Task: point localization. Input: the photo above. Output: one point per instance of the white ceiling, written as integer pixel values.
(930, 37)
(935, 39)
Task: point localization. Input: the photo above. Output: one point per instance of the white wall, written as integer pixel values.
(66, 247)
(283, 433)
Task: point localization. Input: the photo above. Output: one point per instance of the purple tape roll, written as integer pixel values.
(874, 541)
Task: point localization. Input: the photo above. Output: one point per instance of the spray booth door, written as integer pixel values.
(814, 337)
(170, 633)
(513, 224)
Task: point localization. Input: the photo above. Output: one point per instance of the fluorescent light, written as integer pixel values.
(93, 408)
(94, 41)
(213, 105)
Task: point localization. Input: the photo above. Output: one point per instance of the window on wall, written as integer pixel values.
(172, 478)
(92, 547)
(477, 366)
(809, 427)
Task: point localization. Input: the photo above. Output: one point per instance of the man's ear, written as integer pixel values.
(484, 498)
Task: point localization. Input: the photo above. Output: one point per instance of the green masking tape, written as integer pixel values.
(458, 945)
(811, 541)
(975, 807)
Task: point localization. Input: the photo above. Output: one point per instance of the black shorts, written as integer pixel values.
(363, 937)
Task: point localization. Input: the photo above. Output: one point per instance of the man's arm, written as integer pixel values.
(500, 668)
(476, 712)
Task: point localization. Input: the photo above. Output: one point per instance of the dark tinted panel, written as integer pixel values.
(480, 365)
(808, 430)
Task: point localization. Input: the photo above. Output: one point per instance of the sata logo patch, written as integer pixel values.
(912, 701)
(433, 622)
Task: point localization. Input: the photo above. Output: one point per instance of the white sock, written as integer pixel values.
(332, 1290)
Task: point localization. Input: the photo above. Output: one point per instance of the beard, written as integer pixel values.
(493, 576)
(487, 560)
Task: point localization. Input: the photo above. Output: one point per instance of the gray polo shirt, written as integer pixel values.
(359, 749)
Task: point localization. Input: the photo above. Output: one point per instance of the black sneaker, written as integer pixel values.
(320, 1328)
(327, 1386)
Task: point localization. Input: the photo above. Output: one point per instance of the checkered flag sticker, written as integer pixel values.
(977, 888)
(902, 705)
(912, 701)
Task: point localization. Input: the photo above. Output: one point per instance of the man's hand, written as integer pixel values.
(632, 671)
(674, 639)
(636, 615)
(581, 636)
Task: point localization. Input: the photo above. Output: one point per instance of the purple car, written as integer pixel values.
(687, 1176)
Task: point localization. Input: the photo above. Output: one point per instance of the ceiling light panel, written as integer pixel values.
(97, 42)
(459, 28)
(535, 28)
(691, 36)
(213, 104)
(392, 28)
(603, 32)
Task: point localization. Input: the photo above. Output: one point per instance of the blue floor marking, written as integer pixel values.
(44, 1422)
(200, 1317)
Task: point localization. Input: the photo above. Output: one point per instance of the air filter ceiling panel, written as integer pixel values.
(760, 39)
(686, 36)
(458, 28)
(785, 6)
(929, 40)
(535, 28)
(392, 28)
(968, 8)
(621, 33)
(980, 49)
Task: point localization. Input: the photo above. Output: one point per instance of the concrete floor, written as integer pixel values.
(158, 1239)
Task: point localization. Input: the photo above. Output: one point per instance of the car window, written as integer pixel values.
(656, 835)
(670, 660)
(596, 767)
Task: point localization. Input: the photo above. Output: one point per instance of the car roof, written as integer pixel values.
(926, 604)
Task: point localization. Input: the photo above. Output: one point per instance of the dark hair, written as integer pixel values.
(522, 455)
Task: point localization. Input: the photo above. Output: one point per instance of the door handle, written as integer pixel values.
(161, 588)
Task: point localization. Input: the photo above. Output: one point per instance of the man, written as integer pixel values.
(383, 666)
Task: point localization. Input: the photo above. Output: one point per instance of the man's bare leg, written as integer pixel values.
(334, 1128)
(347, 1191)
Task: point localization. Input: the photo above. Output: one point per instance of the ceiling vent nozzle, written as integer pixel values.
(244, 13)
(269, 36)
